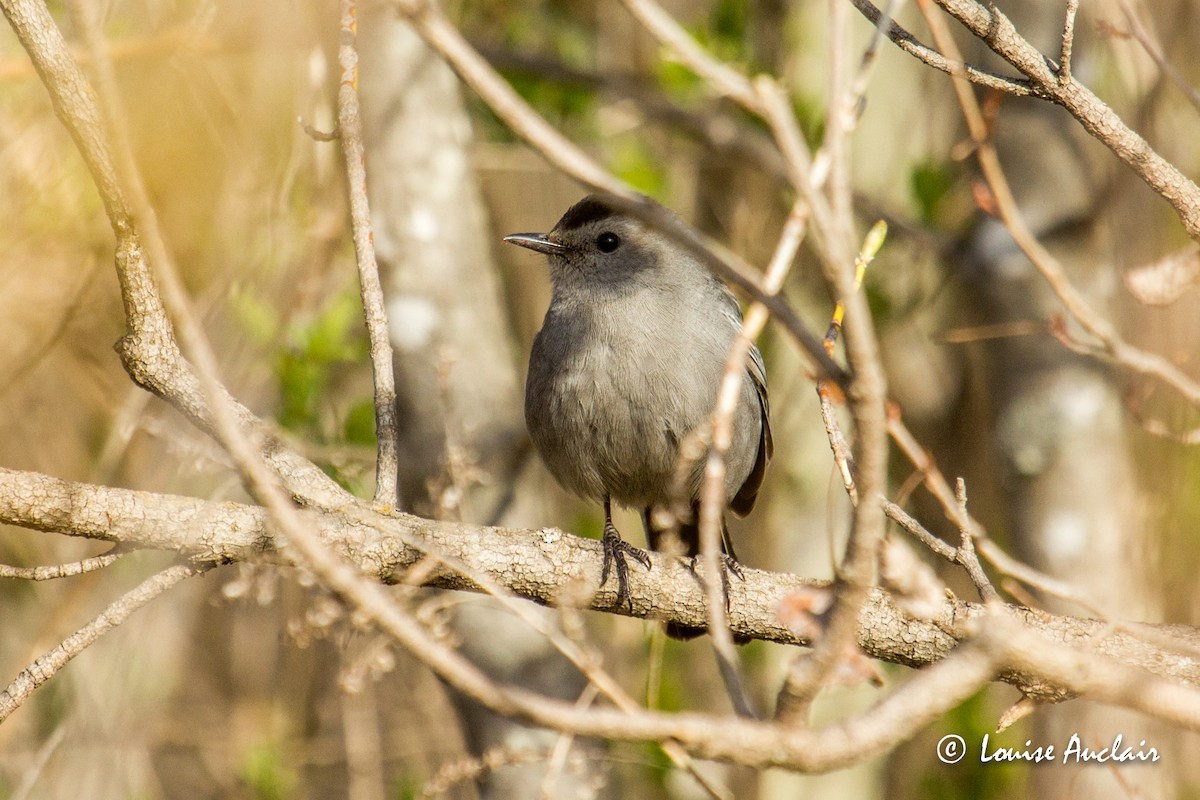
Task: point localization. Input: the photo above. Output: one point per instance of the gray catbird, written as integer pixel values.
(627, 364)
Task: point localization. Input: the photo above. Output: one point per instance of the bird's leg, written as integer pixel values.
(615, 550)
(727, 565)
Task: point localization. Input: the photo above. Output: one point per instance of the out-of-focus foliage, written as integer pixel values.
(931, 182)
(267, 774)
(314, 349)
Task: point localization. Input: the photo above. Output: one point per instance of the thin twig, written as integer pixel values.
(965, 554)
(839, 121)
(1109, 343)
(777, 111)
(33, 771)
(350, 130)
(47, 666)
(1155, 51)
(557, 761)
(470, 768)
(1068, 42)
(445, 39)
(842, 454)
(935, 482)
(903, 39)
(712, 506)
(1011, 567)
(68, 570)
(992, 27)
(866, 66)
(856, 572)
(932, 477)
(314, 134)
(918, 531)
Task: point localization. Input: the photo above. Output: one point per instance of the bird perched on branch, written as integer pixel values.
(627, 364)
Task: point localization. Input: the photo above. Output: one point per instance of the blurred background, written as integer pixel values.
(251, 683)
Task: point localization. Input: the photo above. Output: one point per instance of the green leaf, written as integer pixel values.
(266, 773)
(930, 183)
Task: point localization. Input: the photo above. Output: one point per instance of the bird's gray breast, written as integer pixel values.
(615, 386)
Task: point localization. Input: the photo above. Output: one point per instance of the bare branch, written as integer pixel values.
(471, 768)
(528, 125)
(1109, 342)
(546, 566)
(47, 666)
(1154, 50)
(713, 489)
(1085, 674)
(149, 351)
(350, 130)
(992, 27)
(1056, 85)
(853, 103)
(965, 555)
(927, 55)
(927, 696)
(832, 235)
(69, 570)
(1068, 42)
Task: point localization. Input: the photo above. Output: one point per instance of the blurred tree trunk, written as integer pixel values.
(454, 359)
(1058, 428)
(462, 435)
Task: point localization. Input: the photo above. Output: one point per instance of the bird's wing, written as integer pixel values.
(743, 501)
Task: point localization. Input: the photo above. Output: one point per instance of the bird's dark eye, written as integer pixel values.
(607, 242)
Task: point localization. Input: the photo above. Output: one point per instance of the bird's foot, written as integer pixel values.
(728, 566)
(615, 551)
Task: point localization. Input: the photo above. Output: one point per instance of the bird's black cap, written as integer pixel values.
(589, 209)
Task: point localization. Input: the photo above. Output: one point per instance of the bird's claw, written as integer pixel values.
(728, 565)
(615, 551)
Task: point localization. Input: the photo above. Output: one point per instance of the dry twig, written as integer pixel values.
(350, 135)
(68, 570)
(47, 666)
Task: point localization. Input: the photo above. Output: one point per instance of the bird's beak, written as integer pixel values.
(535, 241)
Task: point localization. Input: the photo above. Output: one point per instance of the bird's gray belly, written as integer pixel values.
(604, 427)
